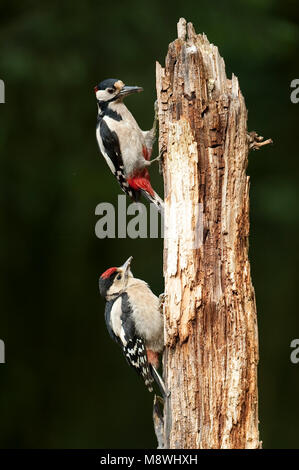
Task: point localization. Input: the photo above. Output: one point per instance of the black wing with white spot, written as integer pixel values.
(111, 144)
(136, 356)
(134, 349)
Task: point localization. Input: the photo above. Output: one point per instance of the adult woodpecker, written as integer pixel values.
(126, 148)
(134, 320)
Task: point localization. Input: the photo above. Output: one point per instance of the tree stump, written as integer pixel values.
(211, 353)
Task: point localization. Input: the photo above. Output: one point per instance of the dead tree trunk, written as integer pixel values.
(211, 353)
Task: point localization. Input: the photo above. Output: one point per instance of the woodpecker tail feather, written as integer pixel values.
(135, 353)
(155, 199)
(158, 380)
(142, 183)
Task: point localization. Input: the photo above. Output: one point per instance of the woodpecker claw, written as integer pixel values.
(159, 157)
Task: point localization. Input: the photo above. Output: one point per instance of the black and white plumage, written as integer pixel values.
(134, 321)
(126, 148)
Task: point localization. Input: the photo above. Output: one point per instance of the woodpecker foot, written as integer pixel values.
(159, 157)
(162, 298)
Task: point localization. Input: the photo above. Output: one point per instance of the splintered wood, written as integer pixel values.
(211, 353)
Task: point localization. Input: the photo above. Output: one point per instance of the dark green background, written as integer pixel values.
(66, 383)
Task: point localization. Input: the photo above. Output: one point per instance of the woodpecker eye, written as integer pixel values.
(110, 90)
(118, 277)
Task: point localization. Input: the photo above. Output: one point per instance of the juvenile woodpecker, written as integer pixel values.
(134, 320)
(126, 148)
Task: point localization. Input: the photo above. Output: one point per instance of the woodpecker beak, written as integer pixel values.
(128, 90)
(126, 266)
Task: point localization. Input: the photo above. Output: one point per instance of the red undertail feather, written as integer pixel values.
(108, 273)
(142, 182)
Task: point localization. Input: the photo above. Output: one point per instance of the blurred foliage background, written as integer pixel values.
(66, 383)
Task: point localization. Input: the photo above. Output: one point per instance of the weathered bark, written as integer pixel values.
(211, 353)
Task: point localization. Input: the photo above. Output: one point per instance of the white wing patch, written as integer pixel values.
(116, 322)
